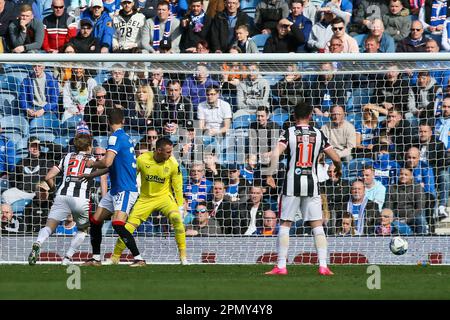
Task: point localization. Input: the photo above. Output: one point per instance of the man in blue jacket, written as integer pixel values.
(103, 25)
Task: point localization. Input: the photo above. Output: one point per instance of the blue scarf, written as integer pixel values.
(199, 190)
(438, 13)
(166, 35)
(198, 21)
(361, 215)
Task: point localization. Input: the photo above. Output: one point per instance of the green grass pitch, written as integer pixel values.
(230, 282)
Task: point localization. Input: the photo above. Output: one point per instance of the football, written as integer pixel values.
(398, 246)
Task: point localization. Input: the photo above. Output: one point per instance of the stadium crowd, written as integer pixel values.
(390, 129)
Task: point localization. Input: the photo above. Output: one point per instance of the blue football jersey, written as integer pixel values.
(122, 172)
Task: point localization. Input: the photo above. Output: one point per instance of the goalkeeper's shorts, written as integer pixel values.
(145, 206)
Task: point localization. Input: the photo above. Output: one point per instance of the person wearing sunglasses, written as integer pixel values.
(415, 41)
(203, 224)
(58, 28)
(350, 45)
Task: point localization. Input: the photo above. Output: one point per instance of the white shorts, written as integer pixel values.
(122, 201)
(310, 207)
(63, 205)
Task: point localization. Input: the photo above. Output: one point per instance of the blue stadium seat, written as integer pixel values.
(18, 206)
(279, 118)
(244, 4)
(354, 168)
(273, 79)
(8, 103)
(102, 141)
(250, 11)
(15, 125)
(63, 140)
(260, 40)
(243, 122)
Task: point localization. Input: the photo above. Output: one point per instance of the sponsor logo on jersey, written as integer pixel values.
(155, 178)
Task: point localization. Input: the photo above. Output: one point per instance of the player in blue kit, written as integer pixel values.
(120, 162)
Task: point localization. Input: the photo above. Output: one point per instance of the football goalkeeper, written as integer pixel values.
(161, 190)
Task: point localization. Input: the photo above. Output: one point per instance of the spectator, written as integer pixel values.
(222, 208)
(433, 15)
(424, 97)
(347, 228)
(7, 15)
(374, 190)
(119, 89)
(268, 13)
(336, 45)
(397, 23)
(224, 26)
(263, 135)
(214, 114)
(442, 125)
(388, 226)
(7, 159)
(95, 112)
(340, 8)
(327, 90)
(194, 26)
(415, 42)
(212, 168)
(232, 75)
(164, 29)
(35, 215)
(197, 189)
(341, 133)
(391, 91)
(103, 25)
(385, 41)
(128, 25)
(26, 34)
(195, 86)
(251, 213)
(433, 152)
(29, 171)
(386, 169)
(84, 41)
(407, 200)
(191, 147)
(78, 91)
(270, 224)
(398, 133)
(10, 223)
(414, 7)
(366, 13)
(286, 38)
(174, 107)
(424, 175)
(301, 21)
(365, 212)
(321, 32)
(371, 45)
(140, 115)
(366, 132)
(67, 227)
(250, 172)
(337, 192)
(236, 188)
(112, 7)
(76, 7)
(440, 73)
(338, 28)
(243, 42)
(203, 224)
(146, 7)
(158, 81)
(445, 42)
(59, 28)
(38, 98)
(253, 92)
(290, 90)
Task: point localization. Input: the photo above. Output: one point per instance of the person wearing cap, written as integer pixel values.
(29, 171)
(128, 25)
(58, 28)
(285, 38)
(162, 29)
(102, 25)
(85, 42)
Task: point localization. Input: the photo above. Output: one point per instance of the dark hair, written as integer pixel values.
(162, 142)
(337, 20)
(68, 44)
(115, 116)
(204, 43)
(212, 87)
(263, 108)
(163, 3)
(82, 142)
(302, 110)
(296, 1)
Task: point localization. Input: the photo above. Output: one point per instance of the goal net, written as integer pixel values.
(387, 118)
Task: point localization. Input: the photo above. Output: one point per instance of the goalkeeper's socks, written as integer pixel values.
(43, 235)
(127, 237)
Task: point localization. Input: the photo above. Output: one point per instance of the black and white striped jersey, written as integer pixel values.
(304, 145)
(73, 165)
